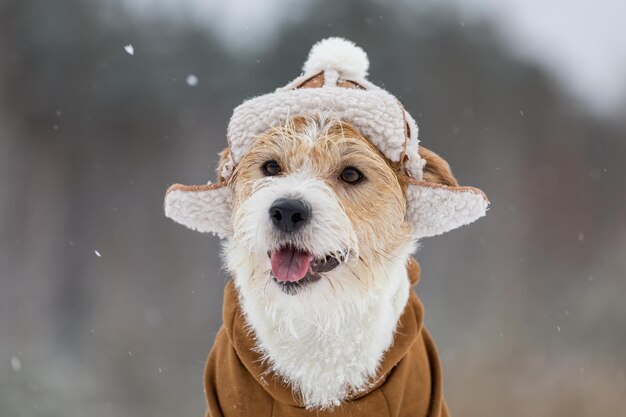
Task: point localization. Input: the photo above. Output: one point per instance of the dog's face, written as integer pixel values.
(319, 217)
(316, 208)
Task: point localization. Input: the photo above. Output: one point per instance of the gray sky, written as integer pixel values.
(581, 42)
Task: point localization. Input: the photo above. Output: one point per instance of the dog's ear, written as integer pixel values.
(436, 169)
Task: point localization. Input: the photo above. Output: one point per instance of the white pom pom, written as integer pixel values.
(337, 54)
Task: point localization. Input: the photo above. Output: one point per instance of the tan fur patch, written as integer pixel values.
(436, 169)
(224, 158)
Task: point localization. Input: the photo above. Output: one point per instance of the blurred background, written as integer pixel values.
(107, 308)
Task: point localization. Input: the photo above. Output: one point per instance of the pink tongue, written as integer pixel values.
(290, 264)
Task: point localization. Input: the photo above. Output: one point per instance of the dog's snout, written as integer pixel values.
(289, 215)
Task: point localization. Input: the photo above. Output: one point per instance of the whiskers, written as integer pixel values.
(267, 283)
(392, 255)
(352, 272)
(330, 282)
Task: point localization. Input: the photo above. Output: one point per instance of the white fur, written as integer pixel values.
(330, 228)
(328, 340)
(340, 55)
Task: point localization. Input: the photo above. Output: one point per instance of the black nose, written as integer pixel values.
(289, 215)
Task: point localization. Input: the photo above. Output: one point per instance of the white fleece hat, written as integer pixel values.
(333, 80)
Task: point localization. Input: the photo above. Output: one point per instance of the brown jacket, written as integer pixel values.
(409, 382)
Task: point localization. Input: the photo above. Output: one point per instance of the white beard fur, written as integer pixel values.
(326, 342)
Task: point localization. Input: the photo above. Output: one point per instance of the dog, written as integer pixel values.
(320, 218)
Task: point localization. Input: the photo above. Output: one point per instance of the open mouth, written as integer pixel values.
(292, 268)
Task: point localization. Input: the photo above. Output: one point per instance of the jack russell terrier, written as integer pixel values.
(323, 193)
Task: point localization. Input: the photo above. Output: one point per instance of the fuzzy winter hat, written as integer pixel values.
(333, 80)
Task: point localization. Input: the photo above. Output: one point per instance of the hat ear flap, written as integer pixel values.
(433, 209)
(205, 208)
(438, 204)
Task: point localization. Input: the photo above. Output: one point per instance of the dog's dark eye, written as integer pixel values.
(271, 168)
(351, 175)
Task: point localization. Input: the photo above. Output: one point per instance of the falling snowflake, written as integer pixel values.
(192, 80)
(97, 254)
(129, 49)
(16, 364)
